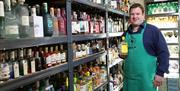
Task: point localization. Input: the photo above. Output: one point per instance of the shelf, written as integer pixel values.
(150, 2)
(25, 80)
(168, 29)
(98, 88)
(164, 14)
(117, 12)
(116, 61)
(87, 58)
(172, 43)
(173, 58)
(29, 42)
(88, 37)
(119, 87)
(164, 29)
(86, 2)
(118, 34)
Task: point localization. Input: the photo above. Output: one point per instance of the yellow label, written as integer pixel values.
(124, 49)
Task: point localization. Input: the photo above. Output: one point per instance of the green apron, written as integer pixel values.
(139, 66)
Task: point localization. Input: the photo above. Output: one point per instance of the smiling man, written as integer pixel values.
(148, 55)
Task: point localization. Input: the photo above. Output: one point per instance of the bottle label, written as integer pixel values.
(48, 61)
(58, 57)
(53, 58)
(12, 29)
(75, 27)
(25, 20)
(63, 57)
(124, 49)
(1, 9)
(33, 67)
(16, 70)
(50, 23)
(25, 67)
(4, 72)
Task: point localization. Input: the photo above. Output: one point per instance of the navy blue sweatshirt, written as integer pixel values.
(155, 45)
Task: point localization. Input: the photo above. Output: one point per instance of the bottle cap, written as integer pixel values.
(123, 38)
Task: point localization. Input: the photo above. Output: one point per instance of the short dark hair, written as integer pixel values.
(135, 5)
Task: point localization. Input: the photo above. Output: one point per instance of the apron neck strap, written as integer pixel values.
(142, 31)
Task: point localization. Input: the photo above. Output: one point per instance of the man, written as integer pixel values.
(148, 55)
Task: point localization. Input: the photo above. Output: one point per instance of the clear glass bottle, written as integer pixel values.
(23, 17)
(55, 23)
(123, 48)
(60, 22)
(11, 21)
(1, 19)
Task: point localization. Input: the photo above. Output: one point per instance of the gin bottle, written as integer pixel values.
(1, 18)
(11, 22)
(23, 16)
(47, 21)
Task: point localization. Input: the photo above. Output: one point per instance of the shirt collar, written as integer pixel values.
(139, 30)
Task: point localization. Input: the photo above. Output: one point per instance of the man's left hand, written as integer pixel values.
(158, 80)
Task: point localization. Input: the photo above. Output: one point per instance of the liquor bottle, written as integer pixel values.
(47, 21)
(23, 63)
(123, 48)
(84, 24)
(11, 21)
(47, 58)
(63, 54)
(74, 47)
(2, 20)
(38, 10)
(61, 23)
(48, 86)
(41, 55)
(58, 55)
(75, 24)
(4, 67)
(55, 23)
(23, 17)
(63, 14)
(15, 64)
(101, 24)
(38, 61)
(10, 63)
(52, 55)
(31, 61)
(36, 24)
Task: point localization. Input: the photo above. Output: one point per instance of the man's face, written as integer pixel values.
(136, 16)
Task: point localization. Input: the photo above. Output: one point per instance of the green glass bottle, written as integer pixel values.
(47, 21)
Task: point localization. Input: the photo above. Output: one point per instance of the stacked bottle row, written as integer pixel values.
(122, 5)
(116, 78)
(171, 36)
(19, 62)
(84, 49)
(115, 25)
(89, 76)
(163, 21)
(19, 21)
(83, 23)
(57, 82)
(160, 8)
(118, 48)
(86, 78)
